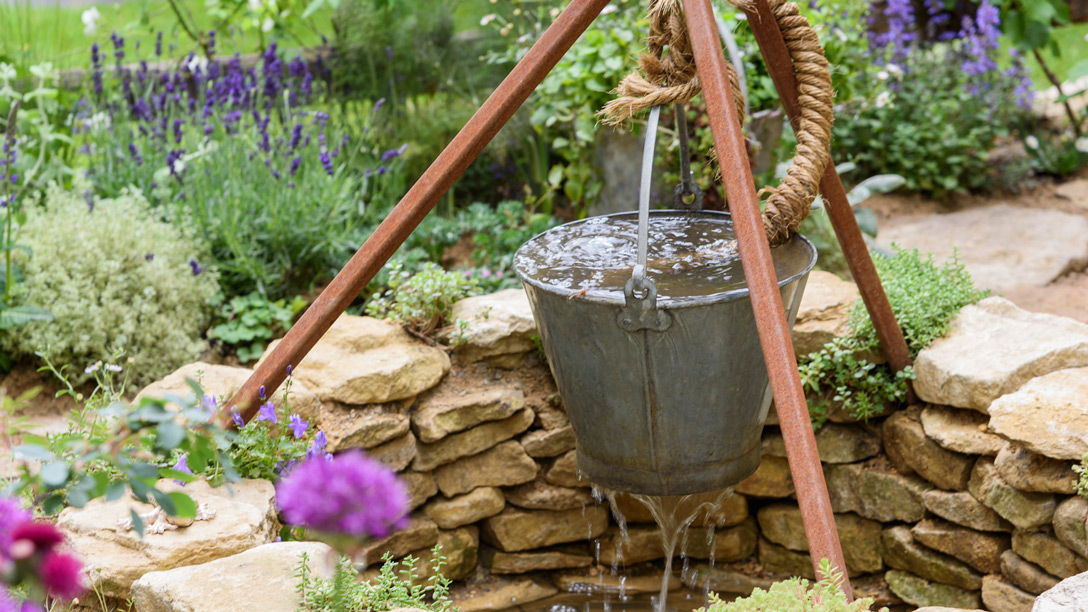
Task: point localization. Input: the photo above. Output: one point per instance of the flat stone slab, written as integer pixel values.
(227, 584)
(1001, 246)
(992, 349)
(114, 559)
(824, 313)
(450, 408)
(1048, 415)
(963, 431)
(362, 360)
(222, 381)
(500, 325)
(923, 592)
(1071, 595)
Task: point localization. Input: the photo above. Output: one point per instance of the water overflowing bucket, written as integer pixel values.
(667, 396)
(649, 331)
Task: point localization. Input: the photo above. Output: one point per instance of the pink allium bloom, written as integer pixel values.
(62, 576)
(12, 515)
(350, 495)
(43, 536)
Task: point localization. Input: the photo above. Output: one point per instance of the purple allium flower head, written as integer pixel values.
(267, 412)
(350, 495)
(61, 576)
(195, 266)
(183, 466)
(12, 514)
(298, 426)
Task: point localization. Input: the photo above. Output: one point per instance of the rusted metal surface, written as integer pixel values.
(395, 229)
(777, 58)
(774, 333)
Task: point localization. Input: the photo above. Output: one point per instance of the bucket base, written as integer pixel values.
(674, 482)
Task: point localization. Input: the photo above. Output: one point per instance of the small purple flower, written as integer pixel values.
(382, 170)
(149, 256)
(298, 426)
(195, 266)
(237, 418)
(183, 466)
(267, 412)
(209, 405)
(288, 369)
(295, 163)
(351, 495)
(261, 391)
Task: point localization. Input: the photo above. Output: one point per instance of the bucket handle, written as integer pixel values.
(640, 312)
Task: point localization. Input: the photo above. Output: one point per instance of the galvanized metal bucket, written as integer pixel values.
(664, 400)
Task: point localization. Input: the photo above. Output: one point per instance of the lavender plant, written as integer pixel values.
(942, 105)
(248, 157)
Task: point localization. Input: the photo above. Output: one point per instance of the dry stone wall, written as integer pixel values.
(965, 501)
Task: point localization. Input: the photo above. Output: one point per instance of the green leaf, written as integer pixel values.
(555, 175)
(137, 523)
(17, 316)
(169, 435)
(165, 502)
(184, 506)
(53, 504)
(312, 8)
(32, 452)
(54, 475)
(177, 475)
(116, 489)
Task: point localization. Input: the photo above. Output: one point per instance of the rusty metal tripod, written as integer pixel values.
(774, 333)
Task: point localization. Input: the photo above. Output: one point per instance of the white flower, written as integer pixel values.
(267, 25)
(90, 19)
(1081, 144)
(196, 63)
(97, 122)
(1032, 142)
(179, 166)
(840, 34)
(113, 368)
(883, 99)
(486, 19)
(882, 75)
(254, 5)
(90, 369)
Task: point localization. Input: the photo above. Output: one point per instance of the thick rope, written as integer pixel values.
(789, 203)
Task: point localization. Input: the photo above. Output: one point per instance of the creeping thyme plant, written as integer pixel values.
(344, 593)
(925, 297)
(797, 595)
(420, 301)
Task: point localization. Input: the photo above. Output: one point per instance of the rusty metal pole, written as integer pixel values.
(777, 58)
(420, 199)
(755, 254)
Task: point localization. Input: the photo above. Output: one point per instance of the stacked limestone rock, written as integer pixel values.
(963, 502)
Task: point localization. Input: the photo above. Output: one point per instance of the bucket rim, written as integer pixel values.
(673, 303)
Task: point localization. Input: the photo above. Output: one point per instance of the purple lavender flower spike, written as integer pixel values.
(195, 266)
(158, 44)
(350, 495)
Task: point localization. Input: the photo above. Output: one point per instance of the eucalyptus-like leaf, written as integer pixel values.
(54, 475)
(32, 452)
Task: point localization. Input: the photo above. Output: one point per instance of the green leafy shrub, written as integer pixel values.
(266, 448)
(420, 301)
(796, 595)
(345, 593)
(1082, 472)
(925, 298)
(248, 322)
(117, 279)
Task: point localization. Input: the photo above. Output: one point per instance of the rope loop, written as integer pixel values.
(667, 75)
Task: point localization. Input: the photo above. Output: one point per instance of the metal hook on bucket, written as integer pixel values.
(640, 312)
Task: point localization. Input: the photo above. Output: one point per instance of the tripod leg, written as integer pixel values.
(777, 58)
(420, 199)
(774, 332)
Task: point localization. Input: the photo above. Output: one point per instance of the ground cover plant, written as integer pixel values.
(116, 279)
(925, 297)
(797, 595)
